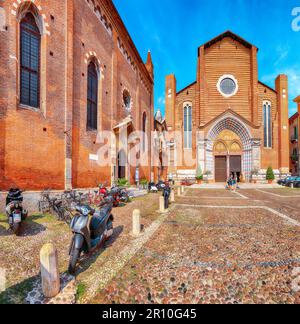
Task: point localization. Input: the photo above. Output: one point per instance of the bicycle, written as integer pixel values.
(55, 205)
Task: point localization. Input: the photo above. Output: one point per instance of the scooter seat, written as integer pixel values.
(85, 210)
(99, 218)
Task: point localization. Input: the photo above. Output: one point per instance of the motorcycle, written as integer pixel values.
(124, 195)
(14, 210)
(89, 235)
(152, 188)
(120, 195)
(161, 185)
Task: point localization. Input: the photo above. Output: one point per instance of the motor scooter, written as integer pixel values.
(161, 185)
(15, 212)
(90, 233)
(152, 187)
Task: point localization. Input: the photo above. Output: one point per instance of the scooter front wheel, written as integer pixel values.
(75, 255)
(16, 228)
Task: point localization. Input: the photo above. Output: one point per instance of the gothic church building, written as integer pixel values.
(230, 121)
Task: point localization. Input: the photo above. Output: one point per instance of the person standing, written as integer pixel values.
(229, 183)
(234, 182)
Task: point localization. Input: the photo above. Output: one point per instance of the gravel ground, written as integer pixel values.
(19, 256)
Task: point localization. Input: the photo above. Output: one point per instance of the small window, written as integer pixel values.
(127, 100)
(30, 43)
(92, 97)
(295, 132)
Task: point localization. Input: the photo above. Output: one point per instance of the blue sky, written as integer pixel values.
(174, 29)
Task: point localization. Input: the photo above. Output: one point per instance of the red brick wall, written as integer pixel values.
(34, 141)
(33, 144)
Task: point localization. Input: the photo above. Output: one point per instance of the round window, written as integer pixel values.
(227, 86)
(127, 100)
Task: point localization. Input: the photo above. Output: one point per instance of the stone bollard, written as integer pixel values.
(161, 205)
(179, 191)
(136, 222)
(172, 196)
(292, 186)
(182, 189)
(49, 271)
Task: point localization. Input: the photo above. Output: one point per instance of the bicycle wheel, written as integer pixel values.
(67, 216)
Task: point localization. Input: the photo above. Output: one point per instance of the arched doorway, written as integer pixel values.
(229, 149)
(228, 156)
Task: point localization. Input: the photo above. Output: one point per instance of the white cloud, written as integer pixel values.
(293, 74)
(294, 79)
(282, 53)
(161, 101)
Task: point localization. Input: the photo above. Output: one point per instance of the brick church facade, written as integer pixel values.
(229, 121)
(69, 69)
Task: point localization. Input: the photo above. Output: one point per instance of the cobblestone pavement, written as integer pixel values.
(214, 246)
(19, 256)
(200, 254)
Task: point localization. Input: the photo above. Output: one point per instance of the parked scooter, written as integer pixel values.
(119, 195)
(124, 195)
(161, 185)
(152, 188)
(88, 236)
(167, 194)
(14, 210)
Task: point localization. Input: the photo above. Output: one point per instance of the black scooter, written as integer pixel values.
(89, 235)
(160, 185)
(166, 195)
(14, 210)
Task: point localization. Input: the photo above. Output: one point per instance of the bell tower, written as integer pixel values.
(170, 101)
(149, 65)
(283, 114)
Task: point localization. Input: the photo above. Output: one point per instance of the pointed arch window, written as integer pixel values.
(30, 45)
(187, 124)
(92, 97)
(268, 136)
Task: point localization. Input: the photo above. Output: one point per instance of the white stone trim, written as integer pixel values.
(45, 26)
(227, 76)
(129, 110)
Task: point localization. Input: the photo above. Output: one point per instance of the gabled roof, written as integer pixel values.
(266, 86)
(295, 116)
(185, 88)
(230, 34)
(297, 100)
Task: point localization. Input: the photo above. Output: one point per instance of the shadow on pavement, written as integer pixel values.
(17, 294)
(89, 260)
